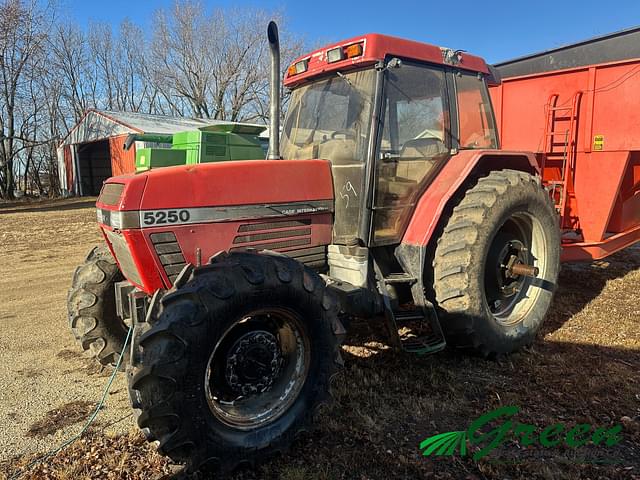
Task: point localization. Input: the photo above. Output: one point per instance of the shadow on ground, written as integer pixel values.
(47, 205)
(583, 369)
(388, 402)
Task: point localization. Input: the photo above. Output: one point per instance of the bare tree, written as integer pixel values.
(136, 91)
(179, 66)
(23, 33)
(54, 125)
(217, 62)
(198, 62)
(76, 70)
(121, 66)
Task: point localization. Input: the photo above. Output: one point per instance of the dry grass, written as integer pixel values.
(584, 368)
(99, 456)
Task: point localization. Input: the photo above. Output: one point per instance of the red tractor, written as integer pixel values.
(389, 198)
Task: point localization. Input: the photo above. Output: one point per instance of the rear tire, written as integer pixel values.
(238, 359)
(91, 305)
(483, 307)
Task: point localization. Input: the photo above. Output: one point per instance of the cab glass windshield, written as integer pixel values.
(331, 119)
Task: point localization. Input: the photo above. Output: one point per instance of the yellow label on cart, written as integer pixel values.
(598, 142)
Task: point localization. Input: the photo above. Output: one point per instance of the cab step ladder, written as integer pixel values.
(398, 319)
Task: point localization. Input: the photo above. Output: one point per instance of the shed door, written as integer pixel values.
(68, 167)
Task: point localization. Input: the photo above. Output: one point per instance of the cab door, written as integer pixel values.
(415, 140)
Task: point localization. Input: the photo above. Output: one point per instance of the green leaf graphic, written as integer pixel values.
(429, 441)
(463, 444)
(445, 444)
(447, 447)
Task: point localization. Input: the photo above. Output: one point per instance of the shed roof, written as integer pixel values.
(102, 124)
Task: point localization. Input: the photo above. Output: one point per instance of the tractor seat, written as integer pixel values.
(339, 151)
(422, 148)
(418, 156)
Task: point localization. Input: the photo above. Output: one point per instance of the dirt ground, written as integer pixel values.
(584, 368)
(47, 386)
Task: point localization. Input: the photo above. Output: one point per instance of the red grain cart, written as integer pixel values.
(578, 109)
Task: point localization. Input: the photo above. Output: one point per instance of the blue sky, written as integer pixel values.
(496, 30)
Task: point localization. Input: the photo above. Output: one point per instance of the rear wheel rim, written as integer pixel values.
(258, 368)
(510, 298)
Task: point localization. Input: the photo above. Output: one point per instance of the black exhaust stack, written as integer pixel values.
(274, 94)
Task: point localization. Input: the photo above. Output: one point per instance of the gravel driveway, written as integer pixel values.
(47, 386)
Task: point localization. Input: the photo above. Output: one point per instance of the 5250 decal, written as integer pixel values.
(162, 217)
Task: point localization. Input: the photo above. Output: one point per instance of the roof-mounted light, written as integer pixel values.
(298, 67)
(354, 50)
(340, 53)
(335, 55)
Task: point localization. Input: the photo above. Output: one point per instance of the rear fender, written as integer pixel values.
(439, 199)
(453, 179)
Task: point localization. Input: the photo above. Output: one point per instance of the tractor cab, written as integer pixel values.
(388, 114)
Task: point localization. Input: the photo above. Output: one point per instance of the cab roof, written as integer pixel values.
(376, 47)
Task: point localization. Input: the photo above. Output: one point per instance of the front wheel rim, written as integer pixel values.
(510, 298)
(257, 369)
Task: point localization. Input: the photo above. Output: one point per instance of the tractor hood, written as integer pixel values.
(158, 221)
(287, 187)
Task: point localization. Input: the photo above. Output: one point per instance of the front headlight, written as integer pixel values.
(111, 193)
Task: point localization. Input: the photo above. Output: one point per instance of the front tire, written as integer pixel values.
(506, 218)
(238, 359)
(91, 306)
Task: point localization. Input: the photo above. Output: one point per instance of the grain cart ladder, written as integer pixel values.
(560, 134)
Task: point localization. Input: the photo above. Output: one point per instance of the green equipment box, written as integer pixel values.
(214, 143)
(147, 158)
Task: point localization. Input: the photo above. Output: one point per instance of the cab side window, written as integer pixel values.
(477, 129)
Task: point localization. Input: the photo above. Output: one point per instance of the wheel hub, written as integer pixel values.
(257, 368)
(508, 258)
(253, 363)
(513, 253)
(515, 257)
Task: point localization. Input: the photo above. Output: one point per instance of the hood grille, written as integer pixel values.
(253, 227)
(292, 236)
(123, 256)
(169, 253)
